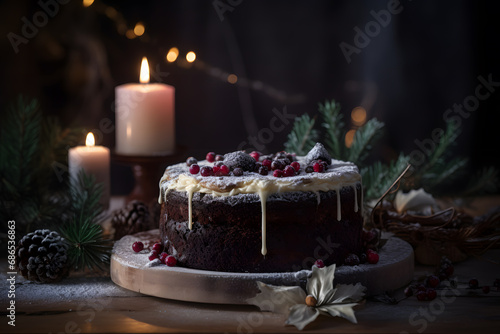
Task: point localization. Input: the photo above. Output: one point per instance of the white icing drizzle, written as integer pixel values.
(339, 214)
(263, 199)
(340, 174)
(355, 198)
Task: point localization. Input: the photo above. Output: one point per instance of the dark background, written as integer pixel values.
(425, 60)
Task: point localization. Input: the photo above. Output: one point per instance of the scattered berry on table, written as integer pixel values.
(210, 156)
(473, 283)
(194, 169)
(363, 258)
(171, 261)
(432, 281)
(351, 260)
(163, 256)
(319, 263)
(137, 246)
(486, 289)
(421, 287)
(157, 247)
(431, 294)
(422, 295)
(408, 291)
(372, 257)
(153, 255)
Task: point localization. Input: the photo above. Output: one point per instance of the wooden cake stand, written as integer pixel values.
(133, 271)
(147, 172)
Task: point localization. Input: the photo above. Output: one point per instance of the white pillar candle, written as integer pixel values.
(93, 160)
(145, 117)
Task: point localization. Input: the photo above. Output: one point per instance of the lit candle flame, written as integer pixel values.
(90, 141)
(144, 77)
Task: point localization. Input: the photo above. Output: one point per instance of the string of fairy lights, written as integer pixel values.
(190, 60)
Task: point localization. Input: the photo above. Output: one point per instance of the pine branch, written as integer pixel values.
(334, 128)
(87, 246)
(442, 174)
(377, 178)
(363, 140)
(303, 135)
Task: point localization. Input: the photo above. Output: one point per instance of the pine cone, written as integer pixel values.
(132, 219)
(42, 256)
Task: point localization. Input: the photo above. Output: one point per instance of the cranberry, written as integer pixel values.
(408, 291)
(263, 170)
(206, 171)
(137, 246)
(278, 173)
(290, 157)
(194, 169)
(157, 247)
(255, 155)
(237, 171)
(325, 164)
(309, 169)
(257, 167)
(372, 257)
(219, 157)
(351, 260)
(318, 167)
(190, 161)
(171, 261)
(421, 287)
(295, 166)
(280, 155)
(163, 256)
(289, 171)
(363, 258)
(210, 156)
(153, 255)
(215, 169)
(422, 295)
(431, 294)
(448, 270)
(319, 263)
(224, 170)
(277, 164)
(473, 283)
(267, 163)
(433, 281)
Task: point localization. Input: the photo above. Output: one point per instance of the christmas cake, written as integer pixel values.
(253, 213)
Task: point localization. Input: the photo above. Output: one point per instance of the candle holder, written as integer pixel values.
(147, 172)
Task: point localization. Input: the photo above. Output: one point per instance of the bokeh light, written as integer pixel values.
(349, 137)
(172, 54)
(190, 56)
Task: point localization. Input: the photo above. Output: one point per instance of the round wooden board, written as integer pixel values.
(133, 271)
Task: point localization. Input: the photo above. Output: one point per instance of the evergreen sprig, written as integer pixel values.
(378, 177)
(364, 139)
(333, 124)
(303, 135)
(87, 245)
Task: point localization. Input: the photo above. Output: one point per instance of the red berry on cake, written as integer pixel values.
(153, 255)
(289, 171)
(319, 263)
(295, 166)
(257, 167)
(422, 295)
(215, 169)
(237, 171)
(277, 164)
(206, 171)
(190, 161)
(194, 169)
(267, 163)
(171, 261)
(263, 170)
(163, 256)
(278, 173)
(318, 167)
(421, 287)
(372, 257)
(351, 260)
(210, 156)
(255, 155)
(137, 246)
(157, 247)
(224, 170)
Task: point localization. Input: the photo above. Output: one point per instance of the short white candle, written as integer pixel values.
(145, 117)
(93, 160)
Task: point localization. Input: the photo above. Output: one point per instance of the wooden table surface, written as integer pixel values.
(83, 304)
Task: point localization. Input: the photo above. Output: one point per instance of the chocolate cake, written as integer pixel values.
(252, 213)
